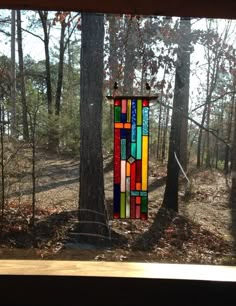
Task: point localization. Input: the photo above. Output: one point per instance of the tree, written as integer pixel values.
(185, 45)
(92, 211)
(13, 72)
(181, 90)
(130, 44)
(216, 49)
(46, 30)
(22, 78)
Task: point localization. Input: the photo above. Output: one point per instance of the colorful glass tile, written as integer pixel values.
(145, 102)
(117, 102)
(133, 118)
(137, 212)
(119, 125)
(123, 117)
(131, 139)
(129, 111)
(139, 112)
(132, 207)
(117, 156)
(124, 106)
(117, 113)
(122, 205)
(145, 120)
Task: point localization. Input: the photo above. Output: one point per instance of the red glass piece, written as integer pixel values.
(133, 176)
(116, 215)
(132, 207)
(117, 156)
(124, 106)
(117, 102)
(137, 213)
(145, 103)
(138, 171)
(143, 216)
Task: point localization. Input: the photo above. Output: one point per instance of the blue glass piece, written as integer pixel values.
(123, 133)
(123, 149)
(128, 142)
(123, 117)
(145, 120)
(133, 120)
(116, 198)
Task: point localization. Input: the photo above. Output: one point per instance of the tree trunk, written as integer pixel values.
(113, 61)
(22, 79)
(56, 136)
(13, 72)
(170, 200)
(163, 152)
(130, 46)
(44, 20)
(208, 151)
(185, 28)
(199, 143)
(60, 69)
(229, 132)
(93, 223)
(233, 165)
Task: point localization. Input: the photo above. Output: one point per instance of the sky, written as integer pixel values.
(35, 48)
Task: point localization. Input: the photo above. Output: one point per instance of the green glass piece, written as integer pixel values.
(122, 205)
(117, 113)
(139, 142)
(131, 160)
(139, 112)
(134, 193)
(133, 149)
(127, 197)
(123, 149)
(144, 204)
(143, 193)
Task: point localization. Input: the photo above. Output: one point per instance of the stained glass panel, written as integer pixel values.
(131, 132)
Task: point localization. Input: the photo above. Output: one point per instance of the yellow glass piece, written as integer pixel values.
(119, 125)
(145, 163)
(128, 169)
(129, 111)
(122, 175)
(122, 205)
(139, 112)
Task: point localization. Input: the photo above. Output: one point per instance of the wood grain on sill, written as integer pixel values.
(118, 269)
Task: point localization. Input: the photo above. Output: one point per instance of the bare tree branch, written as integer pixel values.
(35, 35)
(198, 124)
(215, 100)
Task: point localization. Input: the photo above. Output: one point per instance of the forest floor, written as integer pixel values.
(204, 230)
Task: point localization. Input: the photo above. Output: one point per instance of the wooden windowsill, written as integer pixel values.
(118, 269)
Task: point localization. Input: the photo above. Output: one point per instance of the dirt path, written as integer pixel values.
(158, 238)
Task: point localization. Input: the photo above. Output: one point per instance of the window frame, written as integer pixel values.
(50, 282)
